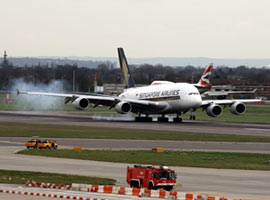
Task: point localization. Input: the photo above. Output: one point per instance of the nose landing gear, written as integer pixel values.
(192, 116)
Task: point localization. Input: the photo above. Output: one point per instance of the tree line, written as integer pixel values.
(142, 74)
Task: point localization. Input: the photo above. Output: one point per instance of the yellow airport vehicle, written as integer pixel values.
(47, 144)
(32, 143)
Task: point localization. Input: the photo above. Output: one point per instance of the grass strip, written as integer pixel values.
(219, 160)
(10, 129)
(21, 177)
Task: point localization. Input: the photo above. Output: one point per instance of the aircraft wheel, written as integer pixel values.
(163, 119)
(177, 120)
(148, 119)
(138, 119)
(150, 186)
(143, 119)
(168, 188)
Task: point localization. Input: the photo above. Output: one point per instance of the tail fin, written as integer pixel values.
(205, 78)
(128, 80)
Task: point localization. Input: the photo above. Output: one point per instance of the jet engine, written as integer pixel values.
(123, 107)
(80, 103)
(238, 108)
(214, 110)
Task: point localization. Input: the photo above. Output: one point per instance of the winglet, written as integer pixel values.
(205, 78)
(18, 92)
(128, 80)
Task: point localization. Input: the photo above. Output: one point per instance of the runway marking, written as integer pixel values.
(258, 129)
(9, 142)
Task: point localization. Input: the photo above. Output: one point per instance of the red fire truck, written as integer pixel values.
(151, 177)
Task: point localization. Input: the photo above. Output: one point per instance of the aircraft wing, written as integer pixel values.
(44, 94)
(206, 103)
(137, 105)
(95, 99)
(225, 93)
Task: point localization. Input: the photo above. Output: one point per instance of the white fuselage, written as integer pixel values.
(178, 97)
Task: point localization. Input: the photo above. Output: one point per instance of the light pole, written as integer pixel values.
(73, 80)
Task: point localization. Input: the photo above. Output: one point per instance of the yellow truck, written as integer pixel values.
(47, 144)
(32, 143)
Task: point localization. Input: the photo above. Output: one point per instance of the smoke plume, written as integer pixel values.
(32, 102)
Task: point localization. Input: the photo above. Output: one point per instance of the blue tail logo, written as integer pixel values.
(128, 80)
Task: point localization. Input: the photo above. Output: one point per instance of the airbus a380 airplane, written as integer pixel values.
(161, 97)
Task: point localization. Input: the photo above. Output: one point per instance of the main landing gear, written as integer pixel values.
(146, 118)
(177, 119)
(163, 119)
(143, 119)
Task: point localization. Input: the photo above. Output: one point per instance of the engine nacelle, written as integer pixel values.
(214, 110)
(238, 108)
(123, 107)
(80, 103)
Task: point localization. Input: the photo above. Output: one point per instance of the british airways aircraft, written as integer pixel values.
(161, 97)
(203, 85)
(204, 82)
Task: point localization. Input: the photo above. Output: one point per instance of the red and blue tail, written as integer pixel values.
(205, 78)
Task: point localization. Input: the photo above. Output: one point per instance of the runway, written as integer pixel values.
(125, 122)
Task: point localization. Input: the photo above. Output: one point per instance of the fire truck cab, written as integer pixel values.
(151, 177)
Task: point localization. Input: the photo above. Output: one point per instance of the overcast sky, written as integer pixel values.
(145, 28)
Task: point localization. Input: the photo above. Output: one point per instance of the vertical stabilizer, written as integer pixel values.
(128, 80)
(205, 78)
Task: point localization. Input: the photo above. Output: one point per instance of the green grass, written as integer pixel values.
(21, 177)
(245, 161)
(252, 115)
(10, 129)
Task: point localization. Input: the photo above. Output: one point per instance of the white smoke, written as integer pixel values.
(37, 103)
(114, 117)
(46, 103)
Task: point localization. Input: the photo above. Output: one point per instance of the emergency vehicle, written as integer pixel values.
(47, 144)
(32, 143)
(151, 177)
